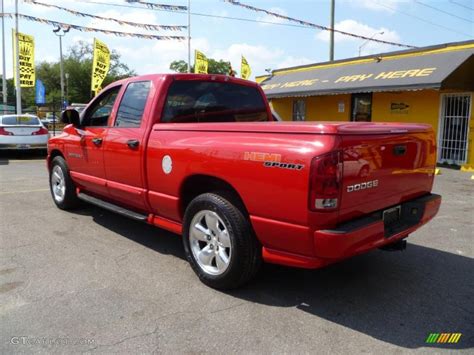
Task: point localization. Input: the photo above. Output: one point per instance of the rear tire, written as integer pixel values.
(61, 185)
(219, 242)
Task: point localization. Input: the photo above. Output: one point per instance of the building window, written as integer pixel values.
(361, 107)
(299, 110)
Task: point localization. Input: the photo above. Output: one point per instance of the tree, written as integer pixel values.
(78, 64)
(214, 66)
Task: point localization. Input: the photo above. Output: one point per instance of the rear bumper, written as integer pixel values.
(368, 233)
(23, 146)
(360, 235)
(24, 142)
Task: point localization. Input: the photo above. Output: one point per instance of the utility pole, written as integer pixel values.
(189, 36)
(331, 33)
(4, 67)
(57, 31)
(17, 61)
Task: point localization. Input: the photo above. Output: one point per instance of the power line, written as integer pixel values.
(442, 11)
(422, 19)
(461, 5)
(313, 25)
(151, 5)
(249, 20)
(197, 14)
(245, 20)
(121, 22)
(127, 6)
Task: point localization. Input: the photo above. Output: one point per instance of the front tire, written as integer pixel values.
(219, 242)
(61, 185)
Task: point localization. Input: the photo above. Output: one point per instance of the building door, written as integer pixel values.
(454, 128)
(299, 110)
(361, 107)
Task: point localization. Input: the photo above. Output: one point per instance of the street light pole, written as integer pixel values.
(331, 33)
(57, 32)
(367, 41)
(4, 67)
(66, 75)
(17, 61)
(189, 36)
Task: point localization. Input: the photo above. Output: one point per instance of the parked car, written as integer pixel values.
(78, 107)
(199, 155)
(22, 132)
(50, 119)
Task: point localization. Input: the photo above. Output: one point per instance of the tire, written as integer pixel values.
(61, 185)
(229, 234)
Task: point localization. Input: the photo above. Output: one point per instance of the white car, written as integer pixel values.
(22, 132)
(50, 119)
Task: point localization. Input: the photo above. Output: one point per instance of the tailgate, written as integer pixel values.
(384, 169)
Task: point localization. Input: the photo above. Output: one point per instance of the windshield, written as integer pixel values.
(205, 101)
(20, 121)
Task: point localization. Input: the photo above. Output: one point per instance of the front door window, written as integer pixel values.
(98, 114)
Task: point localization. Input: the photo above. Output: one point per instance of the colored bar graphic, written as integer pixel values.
(432, 338)
(443, 338)
(454, 338)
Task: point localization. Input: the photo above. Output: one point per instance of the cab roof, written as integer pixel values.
(190, 76)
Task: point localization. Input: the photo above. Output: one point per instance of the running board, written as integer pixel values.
(111, 207)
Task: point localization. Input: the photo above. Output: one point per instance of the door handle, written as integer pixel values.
(97, 141)
(133, 143)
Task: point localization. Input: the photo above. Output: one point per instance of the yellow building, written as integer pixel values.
(432, 85)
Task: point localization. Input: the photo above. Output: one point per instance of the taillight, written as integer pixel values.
(3, 132)
(325, 182)
(41, 131)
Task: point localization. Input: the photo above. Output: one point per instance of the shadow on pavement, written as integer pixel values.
(396, 297)
(6, 156)
(157, 239)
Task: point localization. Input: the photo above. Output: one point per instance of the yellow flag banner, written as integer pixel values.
(26, 44)
(245, 70)
(200, 63)
(100, 65)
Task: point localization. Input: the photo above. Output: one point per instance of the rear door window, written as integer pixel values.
(132, 106)
(204, 101)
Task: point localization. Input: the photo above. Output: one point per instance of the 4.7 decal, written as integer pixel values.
(271, 160)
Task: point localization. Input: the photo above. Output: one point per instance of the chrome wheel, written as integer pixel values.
(58, 183)
(210, 242)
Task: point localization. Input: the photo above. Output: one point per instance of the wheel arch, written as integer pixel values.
(195, 185)
(54, 153)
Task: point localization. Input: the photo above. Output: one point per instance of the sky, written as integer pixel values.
(265, 46)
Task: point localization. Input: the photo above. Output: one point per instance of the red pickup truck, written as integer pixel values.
(199, 155)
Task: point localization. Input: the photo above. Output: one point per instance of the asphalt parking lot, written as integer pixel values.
(91, 281)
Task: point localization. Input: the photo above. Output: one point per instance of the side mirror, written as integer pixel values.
(70, 116)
